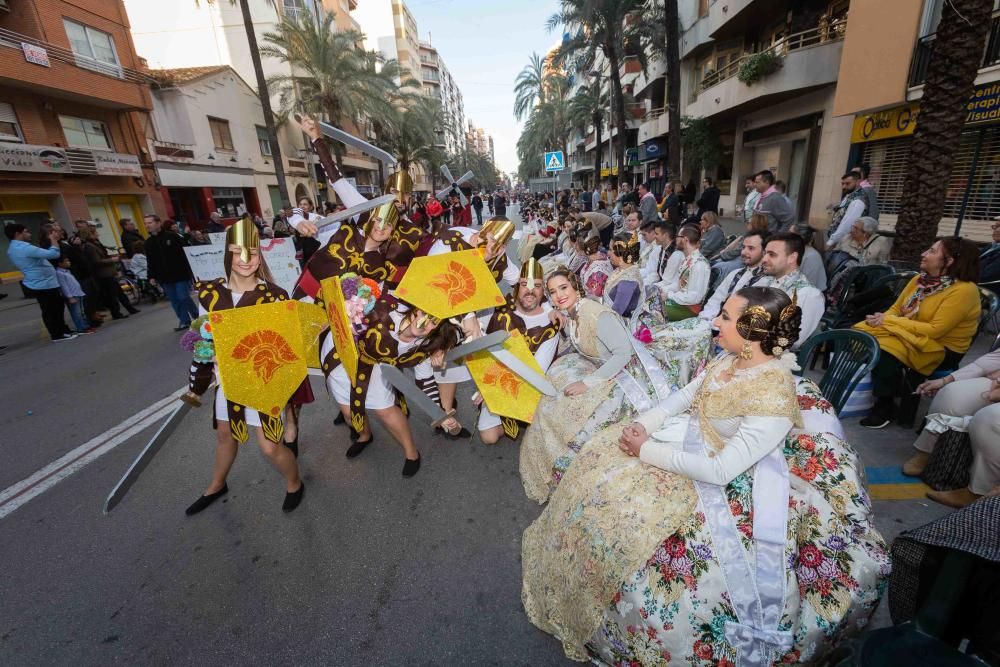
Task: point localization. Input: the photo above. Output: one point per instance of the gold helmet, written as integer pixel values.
(244, 234)
(531, 270)
(500, 227)
(401, 183)
(384, 215)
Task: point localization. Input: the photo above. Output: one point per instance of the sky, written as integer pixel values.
(484, 44)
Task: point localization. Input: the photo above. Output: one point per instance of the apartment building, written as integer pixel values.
(439, 84)
(211, 148)
(188, 35)
(883, 104)
(73, 110)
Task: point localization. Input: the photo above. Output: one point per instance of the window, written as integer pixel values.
(9, 129)
(220, 133)
(86, 133)
(263, 141)
(229, 202)
(93, 49)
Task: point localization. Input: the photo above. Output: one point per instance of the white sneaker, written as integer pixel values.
(66, 337)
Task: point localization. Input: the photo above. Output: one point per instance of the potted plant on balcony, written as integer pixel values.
(758, 65)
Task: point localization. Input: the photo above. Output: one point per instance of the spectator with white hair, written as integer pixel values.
(873, 247)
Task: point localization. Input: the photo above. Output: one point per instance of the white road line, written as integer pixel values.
(18, 494)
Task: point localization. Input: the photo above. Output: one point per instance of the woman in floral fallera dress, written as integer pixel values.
(675, 586)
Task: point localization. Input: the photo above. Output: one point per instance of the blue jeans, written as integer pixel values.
(80, 322)
(179, 294)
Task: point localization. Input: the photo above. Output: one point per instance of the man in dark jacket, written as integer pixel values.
(500, 204)
(168, 267)
(709, 200)
(477, 206)
(130, 234)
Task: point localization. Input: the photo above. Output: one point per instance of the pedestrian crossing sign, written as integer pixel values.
(554, 161)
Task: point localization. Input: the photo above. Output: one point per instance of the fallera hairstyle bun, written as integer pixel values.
(771, 317)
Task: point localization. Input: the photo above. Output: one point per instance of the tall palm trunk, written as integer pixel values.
(597, 149)
(951, 74)
(265, 102)
(671, 22)
(618, 100)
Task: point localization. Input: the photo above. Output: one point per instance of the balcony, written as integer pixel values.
(925, 46)
(656, 70)
(654, 125)
(809, 59)
(26, 62)
(172, 151)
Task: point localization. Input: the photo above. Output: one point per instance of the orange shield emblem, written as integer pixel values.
(504, 391)
(450, 284)
(261, 354)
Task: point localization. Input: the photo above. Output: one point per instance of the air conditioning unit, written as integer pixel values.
(4, 7)
(81, 160)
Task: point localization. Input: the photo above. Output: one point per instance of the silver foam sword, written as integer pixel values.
(414, 396)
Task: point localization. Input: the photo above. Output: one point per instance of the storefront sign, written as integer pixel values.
(898, 122)
(984, 105)
(117, 164)
(35, 54)
(25, 157)
(609, 171)
(654, 149)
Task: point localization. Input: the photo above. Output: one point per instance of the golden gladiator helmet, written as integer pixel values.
(499, 227)
(244, 234)
(402, 184)
(385, 215)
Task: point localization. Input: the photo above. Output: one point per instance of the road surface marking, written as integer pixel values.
(18, 494)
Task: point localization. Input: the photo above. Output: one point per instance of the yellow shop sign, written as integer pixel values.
(898, 122)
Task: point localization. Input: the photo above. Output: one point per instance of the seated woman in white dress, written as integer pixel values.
(715, 529)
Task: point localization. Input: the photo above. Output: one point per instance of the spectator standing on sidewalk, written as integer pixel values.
(647, 204)
(104, 269)
(130, 234)
(709, 200)
(168, 267)
(73, 295)
(777, 208)
(477, 206)
(40, 279)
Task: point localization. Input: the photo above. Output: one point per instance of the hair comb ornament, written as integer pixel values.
(754, 323)
(790, 309)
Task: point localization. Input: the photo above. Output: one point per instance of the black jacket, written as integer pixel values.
(166, 258)
(128, 239)
(709, 200)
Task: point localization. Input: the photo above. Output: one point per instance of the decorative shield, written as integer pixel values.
(340, 326)
(450, 284)
(504, 391)
(261, 355)
(313, 320)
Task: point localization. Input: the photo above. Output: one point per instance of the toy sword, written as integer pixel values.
(477, 345)
(357, 209)
(360, 144)
(527, 374)
(414, 396)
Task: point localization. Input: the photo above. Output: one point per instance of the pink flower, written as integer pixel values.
(676, 547)
(644, 335)
(810, 556)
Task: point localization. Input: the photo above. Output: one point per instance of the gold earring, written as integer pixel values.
(746, 353)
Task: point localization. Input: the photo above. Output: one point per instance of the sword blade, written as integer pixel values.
(527, 373)
(360, 144)
(414, 396)
(352, 211)
(481, 343)
(151, 449)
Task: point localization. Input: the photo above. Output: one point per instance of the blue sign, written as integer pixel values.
(554, 161)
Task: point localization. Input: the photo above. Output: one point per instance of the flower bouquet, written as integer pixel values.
(198, 340)
(360, 295)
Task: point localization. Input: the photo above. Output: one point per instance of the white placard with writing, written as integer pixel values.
(206, 261)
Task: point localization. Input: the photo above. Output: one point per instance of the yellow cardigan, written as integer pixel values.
(946, 320)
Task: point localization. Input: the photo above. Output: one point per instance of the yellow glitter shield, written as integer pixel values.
(340, 326)
(505, 392)
(451, 284)
(261, 354)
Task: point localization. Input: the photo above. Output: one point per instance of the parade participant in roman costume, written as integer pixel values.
(623, 289)
(741, 532)
(608, 378)
(527, 311)
(405, 338)
(595, 273)
(248, 282)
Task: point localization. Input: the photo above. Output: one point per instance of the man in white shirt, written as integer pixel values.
(751, 201)
(669, 261)
(649, 254)
(853, 206)
(781, 264)
(748, 275)
(683, 295)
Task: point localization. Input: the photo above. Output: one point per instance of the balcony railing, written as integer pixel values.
(825, 33)
(925, 46)
(61, 54)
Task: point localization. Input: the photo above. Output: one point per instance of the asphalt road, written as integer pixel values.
(371, 569)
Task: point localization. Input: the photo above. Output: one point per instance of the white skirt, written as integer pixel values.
(222, 410)
(487, 420)
(380, 393)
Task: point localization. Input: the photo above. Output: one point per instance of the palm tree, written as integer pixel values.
(951, 75)
(549, 125)
(331, 74)
(263, 95)
(587, 107)
(411, 134)
(671, 26)
(600, 26)
(529, 87)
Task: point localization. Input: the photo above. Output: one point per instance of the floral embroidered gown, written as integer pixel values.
(629, 563)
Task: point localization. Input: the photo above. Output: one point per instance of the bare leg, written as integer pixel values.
(491, 436)
(448, 391)
(394, 420)
(366, 432)
(291, 423)
(281, 458)
(225, 454)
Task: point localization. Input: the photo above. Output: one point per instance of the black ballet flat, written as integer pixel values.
(293, 498)
(354, 435)
(339, 419)
(357, 447)
(410, 468)
(463, 434)
(294, 446)
(205, 501)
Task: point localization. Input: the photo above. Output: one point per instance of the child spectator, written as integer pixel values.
(139, 267)
(73, 294)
